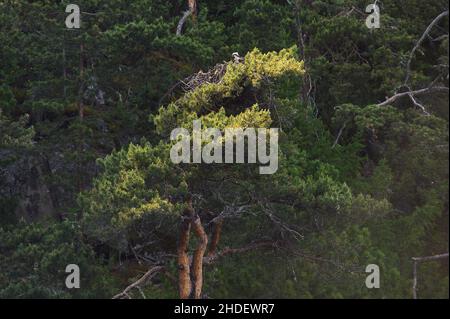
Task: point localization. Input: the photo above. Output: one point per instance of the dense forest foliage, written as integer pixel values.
(86, 177)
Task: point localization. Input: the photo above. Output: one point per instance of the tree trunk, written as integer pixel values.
(193, 8)
(190, 282)
(197, 261)
(215, 237)
(184, 274)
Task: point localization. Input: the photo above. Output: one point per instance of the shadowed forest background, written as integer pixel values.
(86, 177)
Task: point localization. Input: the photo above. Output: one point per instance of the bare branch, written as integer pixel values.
(416, 261)
(339, 135)
(182, 21)
(192, 11)
(282, 225)
(418, 104)
(435, 257)
(139, 283)
(419, 42)
(413, 93)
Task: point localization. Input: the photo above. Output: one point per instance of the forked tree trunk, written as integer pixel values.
(190, 282)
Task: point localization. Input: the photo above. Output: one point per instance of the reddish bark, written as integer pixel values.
(190, 281)
(193, 7)
(197, 261)
(215, 237)
(184, 273)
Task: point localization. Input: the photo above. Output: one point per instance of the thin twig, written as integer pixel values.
(339, 134)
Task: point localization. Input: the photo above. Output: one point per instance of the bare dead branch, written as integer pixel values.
(280, 224)
(192, 11)
(427, 258)
(440, 38)
(231, 211)
(416, 261)
(418, 104)
(138, 284)
(413, 93)
(182, 21)
(336, 141)
(419, 42)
